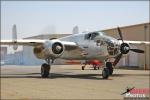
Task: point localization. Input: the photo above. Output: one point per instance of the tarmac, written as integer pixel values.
(68, 82)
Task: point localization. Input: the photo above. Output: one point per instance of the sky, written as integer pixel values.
(59, 17)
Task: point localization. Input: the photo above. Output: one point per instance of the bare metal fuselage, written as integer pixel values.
(88, 49)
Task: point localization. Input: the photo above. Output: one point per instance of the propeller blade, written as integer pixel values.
(137, 50)
(120, 34)
(117, 59)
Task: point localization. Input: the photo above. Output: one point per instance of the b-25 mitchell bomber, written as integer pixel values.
(80, 46)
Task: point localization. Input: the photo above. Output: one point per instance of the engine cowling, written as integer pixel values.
(51, 48)
(57, 48)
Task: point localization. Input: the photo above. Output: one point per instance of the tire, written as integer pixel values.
(105, 73)
(94, 67)
(83, 67)
(109, 66)
(45, 70)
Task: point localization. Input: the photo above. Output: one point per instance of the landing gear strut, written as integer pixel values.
(94, 66)
(83, 67)
(110, 67)
(45, 68)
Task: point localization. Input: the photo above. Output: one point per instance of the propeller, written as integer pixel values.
(137, 50)
(124, 49)
(120, 34)
(117, 59)
(57, 48)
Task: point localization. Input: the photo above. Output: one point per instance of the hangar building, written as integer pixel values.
(3, 54)
(138, 32)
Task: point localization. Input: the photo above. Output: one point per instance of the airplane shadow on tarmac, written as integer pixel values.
(63, 75)
(53, 76)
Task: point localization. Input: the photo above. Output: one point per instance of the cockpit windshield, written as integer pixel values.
(92, 35)
(101, 33)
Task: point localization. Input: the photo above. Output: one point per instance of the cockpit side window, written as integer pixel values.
(94, 35)
(88, 36)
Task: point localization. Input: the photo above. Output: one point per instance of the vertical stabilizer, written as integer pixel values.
(14, 36)
(75, 30)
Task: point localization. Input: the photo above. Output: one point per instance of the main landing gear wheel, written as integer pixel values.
(110, 67)
(45, 70)
(105, 73)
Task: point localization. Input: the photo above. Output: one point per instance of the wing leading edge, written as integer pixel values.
(137, 42)
(37, 42)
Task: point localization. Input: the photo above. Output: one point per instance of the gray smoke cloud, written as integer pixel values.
(50, 29)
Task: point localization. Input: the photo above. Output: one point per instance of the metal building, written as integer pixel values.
(3, 54)
(138, 32)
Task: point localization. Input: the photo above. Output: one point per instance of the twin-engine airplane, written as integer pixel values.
(81, 46)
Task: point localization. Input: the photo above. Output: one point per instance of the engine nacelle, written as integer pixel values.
(51, 48)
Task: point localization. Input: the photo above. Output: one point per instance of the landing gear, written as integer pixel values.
(45, 68)
(110, 67)
(83, 67)
(105, 73)
(94, 66)
(107, 70)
